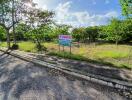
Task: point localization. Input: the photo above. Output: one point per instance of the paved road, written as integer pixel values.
(20, 80)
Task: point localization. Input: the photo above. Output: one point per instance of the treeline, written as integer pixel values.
(116, 31)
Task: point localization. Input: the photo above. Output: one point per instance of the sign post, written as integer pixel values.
(65, 40)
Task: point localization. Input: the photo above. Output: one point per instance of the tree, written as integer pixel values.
(48, 33)
(127, 28)
(21, 30)
(92, 33)
(4, 11)
(79, 34)
(115, 31)
(38, 19)
(10, 14)
(102, 34)
(126, 7)
(62, 29)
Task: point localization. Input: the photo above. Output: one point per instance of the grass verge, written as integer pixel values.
(68, 55)
(107, 54)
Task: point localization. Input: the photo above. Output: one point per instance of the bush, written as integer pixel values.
(15, 47)
(40, 47)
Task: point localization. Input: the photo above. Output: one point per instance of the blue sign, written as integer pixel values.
(65, 40)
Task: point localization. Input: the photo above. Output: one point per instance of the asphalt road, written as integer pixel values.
(20, 80)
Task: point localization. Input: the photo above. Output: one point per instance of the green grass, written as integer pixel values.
(27, 46)
(112, 54)
(82, 58)
(108, 54)
(24, 46)
(3, 44)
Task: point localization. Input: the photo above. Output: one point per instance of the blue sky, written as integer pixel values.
(82, 12)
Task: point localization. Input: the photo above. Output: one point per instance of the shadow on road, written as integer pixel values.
(21, 78)
(6, 52)
(24, 81)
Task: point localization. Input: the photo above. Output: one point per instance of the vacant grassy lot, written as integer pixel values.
(119, 56)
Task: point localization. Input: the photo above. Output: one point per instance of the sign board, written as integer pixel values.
(65, 40)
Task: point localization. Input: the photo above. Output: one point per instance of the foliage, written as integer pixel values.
(62, 29)
(84, 34)
(113, 31)
(47, 32)
(15, 47)
(2, 34)
(21, 30)
(127, 27)
(92, 33)
(118, 30)
(38, 20)
(11, 13)
(126, 7)
(79, 34)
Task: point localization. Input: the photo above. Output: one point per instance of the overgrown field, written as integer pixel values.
(109, 54)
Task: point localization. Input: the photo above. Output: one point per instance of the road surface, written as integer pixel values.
(20, 80)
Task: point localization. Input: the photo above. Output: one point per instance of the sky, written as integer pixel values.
(82, 13)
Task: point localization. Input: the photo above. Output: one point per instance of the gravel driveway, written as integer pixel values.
(20, 80)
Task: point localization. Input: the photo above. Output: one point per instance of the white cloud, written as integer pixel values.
(65, 16)
(62, 11)
(112, 14)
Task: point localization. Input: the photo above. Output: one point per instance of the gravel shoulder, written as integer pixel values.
(20, 80)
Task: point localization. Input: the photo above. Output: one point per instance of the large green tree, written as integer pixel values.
(38, 20)
(117, 30)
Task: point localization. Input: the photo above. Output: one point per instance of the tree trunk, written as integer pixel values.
(8, 39)
(116, 42)
(13, 19)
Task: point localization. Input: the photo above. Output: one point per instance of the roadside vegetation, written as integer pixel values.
(36, 31)
(107, 54)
